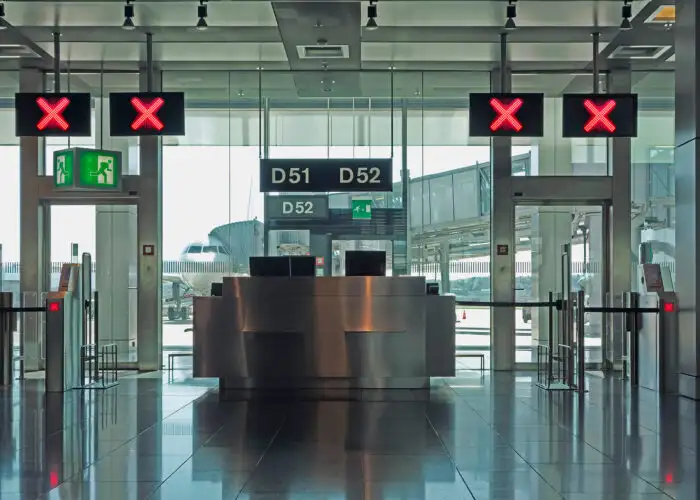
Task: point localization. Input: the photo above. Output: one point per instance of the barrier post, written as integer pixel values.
(580, 339)
(6, 330)
(550, 339)
(634, 338)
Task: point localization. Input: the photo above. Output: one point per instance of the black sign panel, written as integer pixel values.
(506, 115)
(600, 115)
(320, 176)
(42, 115)
(297, 207)
(147, 113)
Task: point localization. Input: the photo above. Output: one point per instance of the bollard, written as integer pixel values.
(634, 338)
(580, 339)
(7, 322)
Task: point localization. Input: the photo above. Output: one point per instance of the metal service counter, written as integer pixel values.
(324, 333)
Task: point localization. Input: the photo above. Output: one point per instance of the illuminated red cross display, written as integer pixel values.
(599, 116)
(147, 113)
(506, 115)
(53, 114)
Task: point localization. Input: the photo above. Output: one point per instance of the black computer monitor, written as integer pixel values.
(365, 263)
(217, 289)
(302, 265)
(269, 266)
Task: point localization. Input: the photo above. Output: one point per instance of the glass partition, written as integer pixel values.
(653, 173)
(9, 186)
(553, 154)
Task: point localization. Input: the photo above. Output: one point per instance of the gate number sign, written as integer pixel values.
(320, 176)
(600, 115)
(508, 115)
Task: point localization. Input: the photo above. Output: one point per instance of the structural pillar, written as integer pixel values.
(150, 232)
(34, 227)
(687, 160)
(502, 238)
(551, 226)
(620, 270)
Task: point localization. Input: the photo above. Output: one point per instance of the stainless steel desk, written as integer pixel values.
(323, 333)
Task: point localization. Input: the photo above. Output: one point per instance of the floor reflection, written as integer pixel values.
(476, 436)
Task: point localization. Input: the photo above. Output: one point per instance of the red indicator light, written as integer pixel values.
(506, 115)
(53, 114)
(147, 113)
(53, 479)
(599, 116)
(669, 307)
(54, 307)
(668, 478)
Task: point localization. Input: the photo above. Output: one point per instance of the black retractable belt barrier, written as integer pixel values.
(7, 322)
(557, 304)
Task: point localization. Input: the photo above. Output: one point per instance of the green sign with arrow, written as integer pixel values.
(87, 169)
(361, 209)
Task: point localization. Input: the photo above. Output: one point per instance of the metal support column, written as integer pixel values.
(150, 232)
(620, 156)
(502, 235)
(34, 237)
(7, 324)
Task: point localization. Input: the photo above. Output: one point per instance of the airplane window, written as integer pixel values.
(194, 249)
(222, 250)
(209, 249)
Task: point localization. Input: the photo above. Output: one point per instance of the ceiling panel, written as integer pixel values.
(489, 13)
(147, 13)
(476, 51)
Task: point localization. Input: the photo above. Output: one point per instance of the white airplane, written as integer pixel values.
(202, 263)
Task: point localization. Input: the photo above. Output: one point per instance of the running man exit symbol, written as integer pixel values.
(362, 209)
(105, 170)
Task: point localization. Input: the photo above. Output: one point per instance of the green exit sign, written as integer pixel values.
(361, 209)
(87, 169)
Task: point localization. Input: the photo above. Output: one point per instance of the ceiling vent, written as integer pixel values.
(323, 51)
(639, 51)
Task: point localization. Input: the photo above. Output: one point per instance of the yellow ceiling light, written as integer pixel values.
(665, 14)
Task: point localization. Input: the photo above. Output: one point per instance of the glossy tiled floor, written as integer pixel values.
(493, 437)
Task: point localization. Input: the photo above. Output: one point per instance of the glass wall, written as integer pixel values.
(213, 211)
(9, 185)
(553, 154)
(212, 208)
(653, 174)
(449, 196)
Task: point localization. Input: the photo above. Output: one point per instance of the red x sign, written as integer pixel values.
(599, 116)
(53, 113)
(506, 115)
(147, 113)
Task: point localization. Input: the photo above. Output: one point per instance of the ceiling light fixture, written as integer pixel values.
(372, 16)
(2, 15)
(128, 23)
(511, 14)
(626, 25)
(202, 14)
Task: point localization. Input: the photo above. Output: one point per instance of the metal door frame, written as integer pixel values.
(606, 205)
(49, 197)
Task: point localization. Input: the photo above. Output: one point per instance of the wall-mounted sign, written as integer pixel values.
(147, 113)
(361, 209)
(506, 115)
(320, 176)
(87, 169)
(600, 115)
(42, 115)
(297, 207)
(501, 249)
